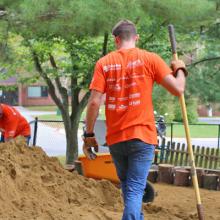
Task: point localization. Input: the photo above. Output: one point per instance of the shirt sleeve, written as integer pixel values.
(11, 126)
(160, 68)
(98, 81)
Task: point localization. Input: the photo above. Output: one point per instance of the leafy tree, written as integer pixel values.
(64, 39)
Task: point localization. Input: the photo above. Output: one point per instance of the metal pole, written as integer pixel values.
(171, 134)
(35, 131)
(218, 135)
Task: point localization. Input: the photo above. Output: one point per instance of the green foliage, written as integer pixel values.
(154, 37)
(9, 88)
(191, 106)
(163, 103)
(184, 14)
(204, 76)
(70, 32)
(53, 18)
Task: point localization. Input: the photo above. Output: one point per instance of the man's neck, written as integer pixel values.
(126, 45)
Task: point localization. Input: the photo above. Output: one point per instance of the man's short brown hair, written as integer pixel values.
(124, 29)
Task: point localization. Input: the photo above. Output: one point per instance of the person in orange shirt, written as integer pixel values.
(13, 124)
(126, 76)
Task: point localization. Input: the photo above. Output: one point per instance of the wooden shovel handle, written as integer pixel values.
(186, 126)
(172, 38)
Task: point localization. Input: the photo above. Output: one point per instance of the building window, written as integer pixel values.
(37, 91)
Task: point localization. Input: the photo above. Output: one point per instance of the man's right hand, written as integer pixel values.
(89, 143)
(177, 65)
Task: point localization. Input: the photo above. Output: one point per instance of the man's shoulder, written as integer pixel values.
(112, 56)
(149, 56)
(146, 52)
(107, 57)
(9, 110)
(5, 107)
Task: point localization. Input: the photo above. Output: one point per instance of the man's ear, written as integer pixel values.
(137, 37)
(117, 40)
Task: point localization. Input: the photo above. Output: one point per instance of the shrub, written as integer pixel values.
(163, 103)
(191, 106)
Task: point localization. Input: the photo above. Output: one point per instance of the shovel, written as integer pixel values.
(186, 126)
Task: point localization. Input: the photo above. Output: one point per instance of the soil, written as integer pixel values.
(35, 186)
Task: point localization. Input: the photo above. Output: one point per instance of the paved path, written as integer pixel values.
(209, 120)
(50, 139)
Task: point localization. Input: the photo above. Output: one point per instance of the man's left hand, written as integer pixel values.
(178, 65)
(89, 143)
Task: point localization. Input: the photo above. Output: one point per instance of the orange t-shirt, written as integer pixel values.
(12, 123)
(127, 77)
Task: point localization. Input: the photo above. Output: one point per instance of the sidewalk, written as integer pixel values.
(50, 139)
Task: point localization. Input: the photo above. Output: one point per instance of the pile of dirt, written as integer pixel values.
(35, 186)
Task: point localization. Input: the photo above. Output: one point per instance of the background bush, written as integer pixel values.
(191, 106)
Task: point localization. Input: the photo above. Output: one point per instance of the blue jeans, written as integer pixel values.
(132, 160)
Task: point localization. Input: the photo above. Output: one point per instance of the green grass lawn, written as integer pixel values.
(58, 117)
(196, 131)
(42, 108)
(50, 117)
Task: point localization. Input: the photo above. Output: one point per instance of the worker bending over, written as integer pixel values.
(13, 124)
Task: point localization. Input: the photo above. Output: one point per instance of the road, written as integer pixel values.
(53, 141)
(209, 120)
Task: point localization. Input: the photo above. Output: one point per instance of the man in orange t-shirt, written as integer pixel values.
(127, 76)
(13, 124)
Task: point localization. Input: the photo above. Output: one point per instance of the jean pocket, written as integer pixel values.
(141, 150)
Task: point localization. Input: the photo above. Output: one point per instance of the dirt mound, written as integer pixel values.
(35, 186)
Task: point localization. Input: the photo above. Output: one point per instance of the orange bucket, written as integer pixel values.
(100, 168)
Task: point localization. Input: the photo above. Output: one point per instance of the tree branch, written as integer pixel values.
(74, 95)
(203, 60)
(153, 34)
(74, 89)
(82, 104)
(47, 80)
(62, 90)
(105, 44)
(85, 99)
(48, 16)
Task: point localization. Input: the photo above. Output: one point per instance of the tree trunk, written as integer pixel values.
(200, 172)
(165, 174)
(152, 176)
(72, 131)
(71, 146)
(181, 177)
(210, 181)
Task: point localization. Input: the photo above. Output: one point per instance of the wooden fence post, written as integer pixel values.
(177, 154)
(182, 155)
